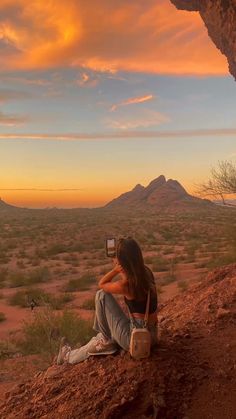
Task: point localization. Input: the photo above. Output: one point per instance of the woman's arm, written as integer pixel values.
(118, 287)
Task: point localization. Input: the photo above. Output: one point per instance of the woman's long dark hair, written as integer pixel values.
(139, 277)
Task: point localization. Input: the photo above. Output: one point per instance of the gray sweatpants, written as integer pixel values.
(111, 322)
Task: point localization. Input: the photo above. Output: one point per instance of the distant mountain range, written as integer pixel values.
(159, 193)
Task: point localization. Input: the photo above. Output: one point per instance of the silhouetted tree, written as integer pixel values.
(222, 181)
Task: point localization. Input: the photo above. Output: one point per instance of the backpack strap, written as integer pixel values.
(147, 309)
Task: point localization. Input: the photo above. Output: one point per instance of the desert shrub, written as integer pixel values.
(221, 260)
(42, 333)
(191, 249)
(168, 234)
(80, 284)
(160, 264)
(38, 275)
(151, 239)
(89, 304)
(35, 276)
(23, 298)
(77, 247)
(2, 317)
(170, 276)
(168, 279)
(57, 248)
(7, 348)
(58, 302)
(182, 285)
(72, 285)
(17, 279)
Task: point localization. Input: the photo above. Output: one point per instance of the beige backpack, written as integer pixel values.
(140, 341)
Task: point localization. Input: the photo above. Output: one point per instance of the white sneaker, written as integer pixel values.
(64, 351)
(102, 347)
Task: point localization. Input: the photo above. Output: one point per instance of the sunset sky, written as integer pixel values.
(99, 95)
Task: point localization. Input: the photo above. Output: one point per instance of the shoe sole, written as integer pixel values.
(104, 352)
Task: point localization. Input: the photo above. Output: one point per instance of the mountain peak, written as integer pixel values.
(159, 193)
(137, 188)
(160, 180)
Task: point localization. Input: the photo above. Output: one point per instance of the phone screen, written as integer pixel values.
(111, 247)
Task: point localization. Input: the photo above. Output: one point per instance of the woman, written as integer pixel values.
(113, 326)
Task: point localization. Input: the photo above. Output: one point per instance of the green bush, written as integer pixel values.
(80, 284)
(17, 279)
(42, 333)
(23, 298)
(168, 279)
(35, 276)
(7, 348)
(57, 248)
(160, 264)
(89, 304)
(2, 317)
(38, 275)
(218, 261)
(57, 303)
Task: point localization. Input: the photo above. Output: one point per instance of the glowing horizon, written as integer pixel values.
(39, 198)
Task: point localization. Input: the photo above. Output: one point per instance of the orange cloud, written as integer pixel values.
(143, 36)
(132, 101)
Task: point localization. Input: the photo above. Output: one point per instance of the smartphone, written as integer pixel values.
(111, 247)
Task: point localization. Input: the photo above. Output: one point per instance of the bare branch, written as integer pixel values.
(222, 181)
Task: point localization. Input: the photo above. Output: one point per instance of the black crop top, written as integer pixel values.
(139, 306)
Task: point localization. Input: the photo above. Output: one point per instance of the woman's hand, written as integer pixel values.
(118, 268)
(118, 286)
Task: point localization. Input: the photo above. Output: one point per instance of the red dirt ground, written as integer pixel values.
(192, 373)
